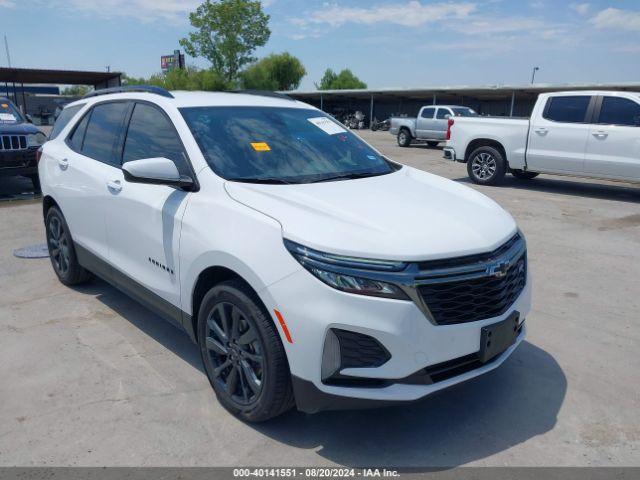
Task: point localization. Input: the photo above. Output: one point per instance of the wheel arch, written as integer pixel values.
(408, 129)
(485, 142)
(206, 280)
(47, 202)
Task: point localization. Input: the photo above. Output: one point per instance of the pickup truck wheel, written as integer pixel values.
(404, 138)
(61, 250)
(242, 353)
(522, 175)
(433, 144)
(486, 166)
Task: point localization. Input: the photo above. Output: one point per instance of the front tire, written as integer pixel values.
(242, 353)
(486, 166)
(62, 251)
(522, 175)
(404, 138)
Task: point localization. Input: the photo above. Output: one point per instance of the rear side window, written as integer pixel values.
(442, 113)
(63, 120)
(428, 112)
(103, 132)
(572, 109)
(150, 135)
(619, 111)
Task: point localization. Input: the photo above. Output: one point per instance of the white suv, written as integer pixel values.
(309, 269)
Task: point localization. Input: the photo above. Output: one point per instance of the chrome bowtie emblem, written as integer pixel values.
(498, 270)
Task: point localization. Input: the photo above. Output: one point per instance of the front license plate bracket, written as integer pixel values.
(498, 337)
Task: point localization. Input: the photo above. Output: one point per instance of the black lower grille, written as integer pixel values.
(360, 351)
(461, 301)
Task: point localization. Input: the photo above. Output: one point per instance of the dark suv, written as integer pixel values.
(19, 143)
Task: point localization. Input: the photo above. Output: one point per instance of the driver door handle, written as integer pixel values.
(63, 163)
(600, 134)
(114, 185)
(541, 131)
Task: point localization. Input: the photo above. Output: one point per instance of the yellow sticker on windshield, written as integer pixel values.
(261, 147)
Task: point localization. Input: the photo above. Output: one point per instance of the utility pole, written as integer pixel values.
(6, 46)
(533, 76)
(108, 67)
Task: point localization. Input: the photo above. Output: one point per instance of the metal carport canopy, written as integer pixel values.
(62, 77)
(471, 91)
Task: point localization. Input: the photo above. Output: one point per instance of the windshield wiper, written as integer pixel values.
(347, 176)
(266, 180)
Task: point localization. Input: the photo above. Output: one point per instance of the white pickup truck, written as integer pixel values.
(584, 133)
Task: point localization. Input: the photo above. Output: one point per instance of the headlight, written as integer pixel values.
(36, 139)
(349, 274)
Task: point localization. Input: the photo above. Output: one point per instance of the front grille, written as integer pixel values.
(13, 142)
(477, 287)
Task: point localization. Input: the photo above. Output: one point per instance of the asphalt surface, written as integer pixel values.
(89, 377)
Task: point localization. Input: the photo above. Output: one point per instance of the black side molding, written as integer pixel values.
(130, 287)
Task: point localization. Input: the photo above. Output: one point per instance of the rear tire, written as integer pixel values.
(35, 180)
(433, 144)
(486, 166)
(62, 251)
(522, 175)
(242, 353)
(404, 138)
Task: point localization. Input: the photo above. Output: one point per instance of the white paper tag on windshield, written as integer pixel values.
(326, 125)
(7, 117)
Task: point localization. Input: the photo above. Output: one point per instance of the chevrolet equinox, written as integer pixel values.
(309, 269)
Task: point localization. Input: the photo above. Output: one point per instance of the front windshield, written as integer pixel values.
(464, 112)
(9, 113)
(280, 145)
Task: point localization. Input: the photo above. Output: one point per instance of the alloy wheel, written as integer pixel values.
(59, 245)
(484, 166)
(236, 354)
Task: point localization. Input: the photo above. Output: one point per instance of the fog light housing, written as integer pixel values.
(347, 349)
(330, 355)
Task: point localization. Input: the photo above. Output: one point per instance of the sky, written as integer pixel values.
(388, 44)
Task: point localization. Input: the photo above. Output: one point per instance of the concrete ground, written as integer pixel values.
(89, 377)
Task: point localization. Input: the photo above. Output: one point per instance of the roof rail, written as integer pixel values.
(131, 88)
(265, 93)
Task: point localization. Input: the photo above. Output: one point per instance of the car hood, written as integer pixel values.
(407, 215)
(17, 128)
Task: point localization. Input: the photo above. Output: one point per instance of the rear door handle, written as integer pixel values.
(600, 134)
(114, 185)
(541, 131)
(63, 163)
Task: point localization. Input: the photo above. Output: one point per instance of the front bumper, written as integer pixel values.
(18, 162)
(310, 308)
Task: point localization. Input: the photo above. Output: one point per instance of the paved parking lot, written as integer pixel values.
(89, 377)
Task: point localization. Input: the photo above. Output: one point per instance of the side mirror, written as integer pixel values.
(156, 171)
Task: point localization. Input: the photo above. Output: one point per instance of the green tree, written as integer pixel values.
(190, 78)
(345, 80)
(75, 90)
(227, 33)
(275, 72)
